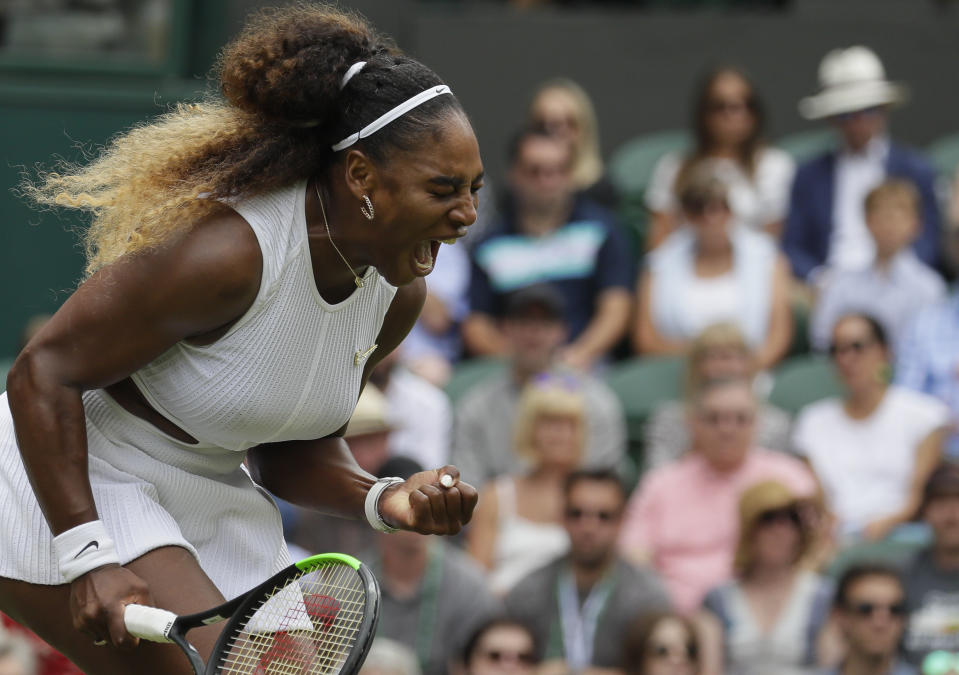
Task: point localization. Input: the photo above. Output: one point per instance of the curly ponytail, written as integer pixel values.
(284, 108)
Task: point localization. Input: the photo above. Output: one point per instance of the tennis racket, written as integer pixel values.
(316, 616)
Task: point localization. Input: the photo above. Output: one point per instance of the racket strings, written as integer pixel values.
(306, 626)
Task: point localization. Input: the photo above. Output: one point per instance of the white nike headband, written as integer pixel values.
(390, 115)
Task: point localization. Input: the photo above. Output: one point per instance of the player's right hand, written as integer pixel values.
(97, 603)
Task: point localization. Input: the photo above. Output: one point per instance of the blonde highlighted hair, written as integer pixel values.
(716, 336)
(282, 108)
(547, 396)
(587, 161)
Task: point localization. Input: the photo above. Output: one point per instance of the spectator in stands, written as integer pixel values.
(418, 412)
(719, 351)
(517, 526)
(16, 655)
(873, 449)
(434, 344)
(770, 617)
(581, 604)
(928, 360)
(662, 643)
(713, 271)
(932, 577)
(896, 284)
(534, 328)
(869, 609)
(727, 125)
(551, 235)
(432, 595)
(826, 224)
(562, 108)
(683, 516)
(501, 646)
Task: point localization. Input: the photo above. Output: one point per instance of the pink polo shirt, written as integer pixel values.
(686, 515)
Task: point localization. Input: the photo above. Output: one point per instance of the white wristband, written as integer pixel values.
(372, 506)
(84, 548)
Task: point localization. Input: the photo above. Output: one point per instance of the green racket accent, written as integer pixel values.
(314, 560)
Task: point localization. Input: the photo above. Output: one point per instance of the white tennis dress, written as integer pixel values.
(288, 369)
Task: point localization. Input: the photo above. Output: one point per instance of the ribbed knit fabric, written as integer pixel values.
(286, 369)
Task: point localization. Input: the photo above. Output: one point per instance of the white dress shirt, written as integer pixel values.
(851, 246)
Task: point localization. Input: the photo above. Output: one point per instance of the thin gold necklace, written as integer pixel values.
(356, 280)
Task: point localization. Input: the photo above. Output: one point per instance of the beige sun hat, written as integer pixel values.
(851, 79)
(371, 414)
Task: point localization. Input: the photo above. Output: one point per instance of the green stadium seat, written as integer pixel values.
(5, 365)
(469, 372)
(888, 552)
(802, 380)
(805, 145)
(641, 384)
(944, 154)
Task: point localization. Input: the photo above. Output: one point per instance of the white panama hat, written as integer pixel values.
(851, 79)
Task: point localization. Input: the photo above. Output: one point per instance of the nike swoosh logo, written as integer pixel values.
(93, 543)
(360, 357)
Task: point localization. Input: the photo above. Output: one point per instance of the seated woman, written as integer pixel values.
(720, 351)
(770, 617)
(727, 131)
(562, 108)
(873, 449)
(517, 526)
(712, 271)
(662, 643)
(501, 646)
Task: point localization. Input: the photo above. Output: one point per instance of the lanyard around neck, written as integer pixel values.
(579, 623)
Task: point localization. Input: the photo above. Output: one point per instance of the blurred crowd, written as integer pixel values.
(716, 434)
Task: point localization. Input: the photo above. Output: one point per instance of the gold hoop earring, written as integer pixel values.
(368, 209)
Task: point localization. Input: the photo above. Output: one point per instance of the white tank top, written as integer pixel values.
(288, 368)
(710, 300)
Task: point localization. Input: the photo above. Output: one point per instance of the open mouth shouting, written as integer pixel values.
(425, 252)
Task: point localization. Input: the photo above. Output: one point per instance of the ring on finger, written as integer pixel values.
(99, 643)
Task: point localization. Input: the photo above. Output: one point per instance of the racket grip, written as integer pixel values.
(149, 623)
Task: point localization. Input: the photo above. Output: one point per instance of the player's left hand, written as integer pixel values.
(424, 504)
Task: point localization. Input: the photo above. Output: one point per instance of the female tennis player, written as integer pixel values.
(250, 259)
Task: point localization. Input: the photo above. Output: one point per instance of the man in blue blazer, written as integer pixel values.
(825, 226)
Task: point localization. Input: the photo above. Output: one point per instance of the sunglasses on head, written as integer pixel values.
(502, 656)
(867, 609)
(940, 663)
(662, 651)
(561, 380)
(855, 346)
(600, 515)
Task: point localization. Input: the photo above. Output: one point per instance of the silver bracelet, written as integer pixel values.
(372, 505)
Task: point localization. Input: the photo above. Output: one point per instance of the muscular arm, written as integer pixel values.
(116, 322)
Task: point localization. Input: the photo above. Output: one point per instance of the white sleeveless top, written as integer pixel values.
(286, 370)
(522, 545)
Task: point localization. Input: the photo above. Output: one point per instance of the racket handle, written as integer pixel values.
(149, 623)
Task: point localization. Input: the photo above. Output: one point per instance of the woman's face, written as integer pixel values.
(503, 650)
(859, 358)
(729, 117)
(556, 112)
(670, 650)
(723, 425)
(424, 197)
(556, 441)
(710, 225)
(776, 538)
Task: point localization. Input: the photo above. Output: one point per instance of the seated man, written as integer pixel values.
(683, 517)
(581, 604)
(932, 578)
(825, 225)
(551, 235)
(869, 610)
(534, 330)
(896, 285)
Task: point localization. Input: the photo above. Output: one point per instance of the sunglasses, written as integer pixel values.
(867, 609)
(601, 516)
(500, 656)
(855, 346)
(940, 663)
(698, 207)
(714, 418)
(661, 651)
(561, 380)
(728, 106)
(867, 112)
(778, 515)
